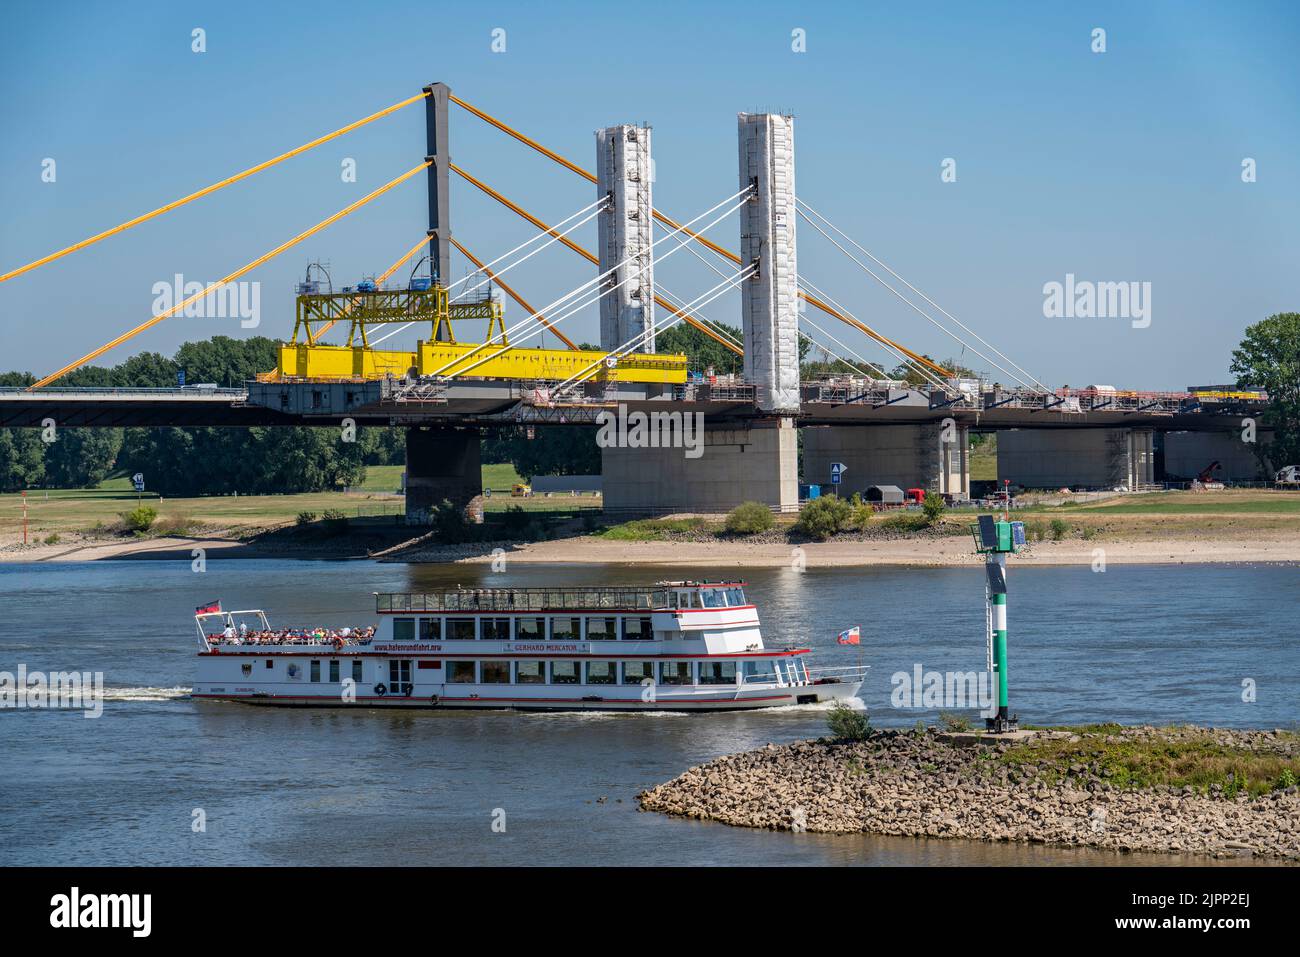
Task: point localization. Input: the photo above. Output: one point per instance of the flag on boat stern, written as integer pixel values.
(851, 637)
(210, 608)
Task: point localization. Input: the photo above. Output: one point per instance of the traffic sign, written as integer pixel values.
(138, 481)
(837, 470)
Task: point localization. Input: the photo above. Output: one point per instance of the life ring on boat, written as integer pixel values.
(381, 689)
(433, 700)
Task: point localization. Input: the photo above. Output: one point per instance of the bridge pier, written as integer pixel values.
(1188, 453)
(1082, 458)
(933, 456)
(626, 237)
(441, 464)
(758, 462)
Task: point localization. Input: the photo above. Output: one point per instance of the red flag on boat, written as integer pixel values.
(210, 608)
(851, 637)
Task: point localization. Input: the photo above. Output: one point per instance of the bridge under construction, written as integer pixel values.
(446, 388)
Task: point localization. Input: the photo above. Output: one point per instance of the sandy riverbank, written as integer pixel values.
(956, 550)
(922, 785)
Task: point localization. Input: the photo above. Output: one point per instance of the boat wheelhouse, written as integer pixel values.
(672, 646)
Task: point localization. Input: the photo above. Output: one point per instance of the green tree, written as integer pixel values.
(1269, 359)
(22, 459)
(553, 450)
(81, 458)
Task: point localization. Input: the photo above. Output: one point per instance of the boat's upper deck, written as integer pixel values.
(662, 596)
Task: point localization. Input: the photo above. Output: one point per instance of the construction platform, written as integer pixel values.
(301, 361)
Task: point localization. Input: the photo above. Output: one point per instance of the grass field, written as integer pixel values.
(65, 511)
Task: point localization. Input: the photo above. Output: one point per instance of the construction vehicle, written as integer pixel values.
(1206, 480)
(520, 490)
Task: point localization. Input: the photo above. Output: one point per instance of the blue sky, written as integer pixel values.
(1121, 166)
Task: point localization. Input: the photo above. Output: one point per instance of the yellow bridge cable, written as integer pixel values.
(523, 304)
(211, 189)
(585, 253)
(168, 313)
(673, 224)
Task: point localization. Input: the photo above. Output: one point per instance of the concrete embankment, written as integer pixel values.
(928, 785)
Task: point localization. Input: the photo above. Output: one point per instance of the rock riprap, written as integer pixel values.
(925, 784)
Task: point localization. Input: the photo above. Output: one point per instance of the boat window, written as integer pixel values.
(356, 670)
(602, 672)
(460, 672)
(672, 599)
(460, 629)
(565, 629)
(676, 673)
(334, 671)
(428, 664)
(430, 629)
(637, 629)
(270, 662)
(717, 672)
(495, 629)
(712, 598)
(602, 629)
(759, 671)
(530, 672)
(638, 672)
(403, 629)
(315, 670)
(565, 672)
(495, 672)
(399, 674)
(735, 597)
(529, 629)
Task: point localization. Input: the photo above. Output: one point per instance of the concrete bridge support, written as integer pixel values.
(1188, 453)
(770, 297)
(758, 462)
(441, 464)
(626, 232)
(933, 456)
(1077, 458)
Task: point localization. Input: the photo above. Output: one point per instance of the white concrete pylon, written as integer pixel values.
(624, 173)
(770, 299)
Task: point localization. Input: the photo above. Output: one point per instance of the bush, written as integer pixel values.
(449, 522)
(932, 505)
(1059, 528)
(515, 521)
(178, 524)
(860, 512)
(749, 518)
(306, 518)
(823, 517)
(954, 722)
(52, 538)
(846, 724)
(140, 519)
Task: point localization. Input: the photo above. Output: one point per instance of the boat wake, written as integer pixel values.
(145, 694)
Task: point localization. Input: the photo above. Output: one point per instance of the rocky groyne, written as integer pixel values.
(1084, 789)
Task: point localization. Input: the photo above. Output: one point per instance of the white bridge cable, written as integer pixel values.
(553, 239)
(885, 267)
(537, 327)
(808, 218)
(905, 360)
(727, 284)
(878, 369)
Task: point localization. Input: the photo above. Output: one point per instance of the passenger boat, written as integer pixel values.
(672, 646)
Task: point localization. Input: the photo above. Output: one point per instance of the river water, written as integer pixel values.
(1134, 644)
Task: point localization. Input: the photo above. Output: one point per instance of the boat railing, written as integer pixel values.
(846, 674)
(525, 599)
